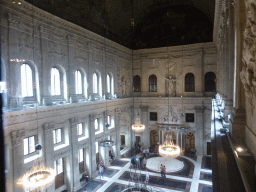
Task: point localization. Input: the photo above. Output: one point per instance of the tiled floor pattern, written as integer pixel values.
(195, 178)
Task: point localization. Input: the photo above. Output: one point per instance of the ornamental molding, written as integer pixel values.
(248, 73)
(17, 136)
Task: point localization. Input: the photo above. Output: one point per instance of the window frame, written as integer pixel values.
(210, 84)
(81, 90)
(95, 83)
(60, 82)
(187, 117)
(96, 124)
(152, 83)
(189, 84)
(29, 153)
(31, 77)
(108, 81)
(54, 137)
(136, 83)
(81, 126)
(152, 114)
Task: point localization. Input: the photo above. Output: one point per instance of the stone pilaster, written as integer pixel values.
(199, 140)
(92, 160)
(117, 139)
(145, 120)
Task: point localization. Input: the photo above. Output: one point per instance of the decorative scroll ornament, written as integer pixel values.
(169, 149)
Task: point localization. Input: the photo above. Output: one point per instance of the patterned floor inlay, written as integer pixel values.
(187, 170)
(204, 188)
(109, 172)
(160, 182)
(119, 163)
(207, 162)
(205, 176)
(116, 187)
(93, 185)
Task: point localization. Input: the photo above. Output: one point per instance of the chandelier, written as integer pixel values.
(107, 143)
(169, 149)
(138, 127)
(39, 176)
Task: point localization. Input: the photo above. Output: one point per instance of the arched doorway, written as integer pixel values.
(190, 141)
(154, 138)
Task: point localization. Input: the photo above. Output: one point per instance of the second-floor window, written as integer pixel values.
(29, 145)
(189, 82)
(80, 129)
(26, 81)
(96, 124)
(152, 83)
(95, 83)
(136, 83)
(78, 80)
(57, 136)
(55, 82)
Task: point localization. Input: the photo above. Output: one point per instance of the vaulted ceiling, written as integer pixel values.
(157, 23)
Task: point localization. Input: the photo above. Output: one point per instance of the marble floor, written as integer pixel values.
(193, 176)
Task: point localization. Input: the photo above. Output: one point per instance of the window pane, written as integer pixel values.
(108, 84)
(96, 124)
(25, 146)
(59, 166)
(152, 83)
(79, 129)
(95, 83)
(31, 144)
(97, 147)
(109, 120)
(26, 81)
(58, 134)
(78, 78)
(55, 81)
(80, 156)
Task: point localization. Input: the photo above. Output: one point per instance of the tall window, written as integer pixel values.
(79, 86)
(29, 145)
(81, 160)
(108, 84)
(109, 120)
(57, 137)
(26, 81)
(152, 83)
(209, 82)
(59, 178)
(55, 81)
(95, 83)
(189, 82)
(136, 83)
(80, 129)
(96, 124)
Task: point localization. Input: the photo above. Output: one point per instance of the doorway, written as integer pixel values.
(154, 138)
(190, 141)
(122, 139)
(137, 140)
(209, 148)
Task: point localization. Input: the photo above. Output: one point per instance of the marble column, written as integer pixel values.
(199, 139)
(145, 120)
(92, 159)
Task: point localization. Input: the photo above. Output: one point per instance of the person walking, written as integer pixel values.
(147, 177)
(101, 171)
(164, 171)
(161, 169)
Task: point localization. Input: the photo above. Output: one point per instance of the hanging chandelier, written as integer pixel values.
(169, 149)
(137, 126)
(107, 143)
(38, 177)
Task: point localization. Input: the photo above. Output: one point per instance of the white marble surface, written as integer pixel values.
(172, 165)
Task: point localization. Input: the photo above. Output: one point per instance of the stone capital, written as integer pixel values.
(47, 127)
(144, 108)
(17, 136)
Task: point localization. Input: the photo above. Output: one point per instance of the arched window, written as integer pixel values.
(152, 83)
(79, 86)
(26, 81)
(108, 84)
(136, 83)
(189, 82)
(95, 83)
(55, 81)
(209, 82)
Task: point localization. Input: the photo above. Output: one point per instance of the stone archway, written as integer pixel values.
(154, 138)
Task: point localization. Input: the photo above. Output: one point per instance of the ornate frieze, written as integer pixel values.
(248, 73)
(17, 136)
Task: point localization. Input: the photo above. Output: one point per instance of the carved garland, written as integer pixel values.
(248, 73)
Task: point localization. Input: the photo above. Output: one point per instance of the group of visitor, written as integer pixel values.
(163, 171)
